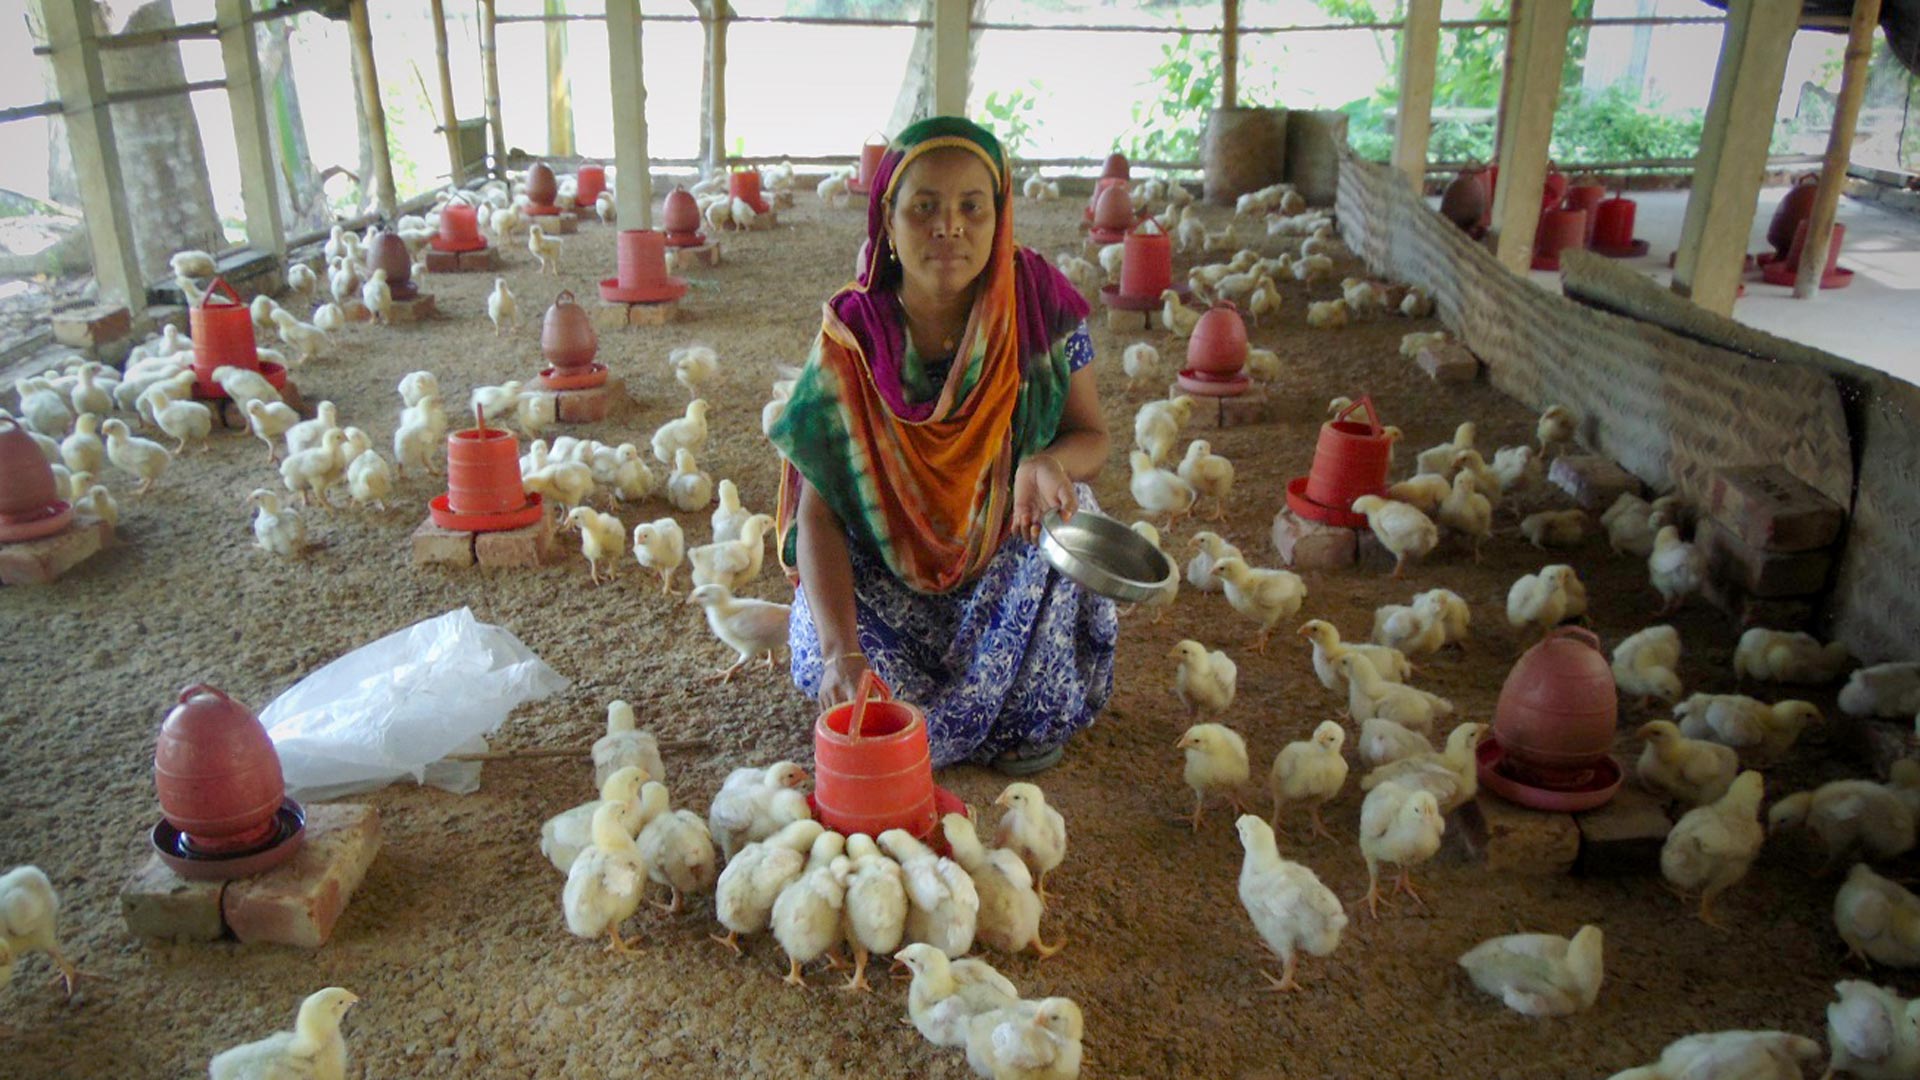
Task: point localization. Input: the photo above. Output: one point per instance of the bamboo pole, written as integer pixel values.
(1833, 174)
(559, 91)
(252, 144)
(449, 122)
(717, 86)
(951, 39)
(490, 76)
(1413, 119)
(1229, 53)
(376, 114)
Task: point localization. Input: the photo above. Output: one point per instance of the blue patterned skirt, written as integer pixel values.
(1019, 660)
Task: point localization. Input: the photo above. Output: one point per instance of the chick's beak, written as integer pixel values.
(1003, 802)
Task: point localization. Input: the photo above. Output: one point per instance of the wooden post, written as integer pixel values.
(251, 139)
(376, 114)
(1538, 29)
(633, 191)
(449, 119)
(1833, 173)
(490, 80)
(1419, 56)
(1229, 53)
(717, 86)
(82, 86)
(952, 27)
(1733, 151)
(559, 92)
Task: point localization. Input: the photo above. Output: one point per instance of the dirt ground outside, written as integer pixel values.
(456, 944)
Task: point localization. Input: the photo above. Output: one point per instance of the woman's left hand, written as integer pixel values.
(1041, 484)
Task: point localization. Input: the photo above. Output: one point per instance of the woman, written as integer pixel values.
(946, 408)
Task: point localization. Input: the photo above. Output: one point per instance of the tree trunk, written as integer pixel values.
(363, 200)
(303, 203)
(915, 102)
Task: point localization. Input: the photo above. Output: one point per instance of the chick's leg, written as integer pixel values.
(859, 979)
(1044, 950)
(1319, 826)
(1285, 983)
(794, 978)
(1199, 804)
(1405, 885)
(731, 941)
(616, 943)
(1372, 897)
(674, 907)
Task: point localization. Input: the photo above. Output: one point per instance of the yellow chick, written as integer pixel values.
(1554, 528)
(946, 995)
(1204, 680)
(1888, 691)
(1424, 491)
(1518, 469)
(1555, 429)
(1216, 763)
(1788, 656)
(1857, 816)
(1402, 827)
(1676, 568)
(502, 309)
(1450, 610)
(755, 876)
(749, 627)
(1711, 846)
(566, 834)
(1693, 771)
(694, 366)
(1408, 630)
(603, 537)
(1400, 528)
(29, 908)
(1468, 512)
(314, 1047)
(1029, 1040)
(1644, 665)
(660, 545)
(1158, 491)
(1032, 830)
(1177, 318)
(1310, 771)
(874, 916)
(1766, 732)
(729, 515)
(1141, 362)
(1878, 919)
(1208, 549)
(1157, 424)
(1748, 1055)
(1265, 596)
(605, 882)
(686, 432)
(943, 905)
(625, 744)
(1369, 696)
(1440, 459)
(806, 915)
(1540, 974)
(688, 488)
(277, 530)
(1010, 909)
(1412, 345)
(1287, 902)
(1629, 526)
(1160, 601)
(1541, 600)
(1873, 1033)
(1209, 474)
(1391, 664)
(1382, 741)
(1452, 776)
(755, 802)
(130, 453)
(269, 420)
(678, 853)
(1326, 314)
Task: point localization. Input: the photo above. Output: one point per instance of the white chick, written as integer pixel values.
(130, 453)
(1752, 727)
(626, 745)
(630, 478)
(1876, 821)
(1010, 909)
(946, 995)
(1032, 830)
(1629, 526)
(535, 412)
(874, 918)
(415, 441)
(1540, 974)
(370, 480)
(1730, 1055)
(694, 366)
(1158, 491)
(1423, 491)
(1208, 548)
(277, 529)
(1452, 776)
(1518, 469)
(688, 432)
(1555, 528)
(1408, 629)
(1400, 826)
(95, 501)
(1110, 258)
(1310, 771)
(1873, 1033)
(45, 409)
(1450, 610)
(1208, 473)
(545, 249)
(1382, 741)
(183, 421)
(756, 802)
(733, 563)
(1878, 919)
(688, 488)
(1289, 906)
(1369, 696)
(270, 420)
(307, 340)
(1711, 846)
(603, 537)
(416, 385)
(329, 318)
(566, 834)
(1645, 664)
(1540, 600)
(1676, 568)
(1141, 362)
(1263, 302)
(1178, 319)
(301, 280)
(606, 882)
(1160, 601)
(1467, 512)
(313, 1048)
(1440, 459)
(378, 297)
(743, 897)
(1263, 364)
(729, 515)
(1317, 268)
(1416, 304)
(678, 853)
(1693, 771)
(1883, 690)
(502, 308)
(83, 451)
(316, 471)
(1204, 680)
(1157, 424)
(943, 904)
(1216, 764)
(750, 627)
(1029, 1040)
(1555, 429)
(495, 402)
(1788, 656)
(661, 546)
(806, 916)
(1325, 314)
(1400, 528)
(29, 909)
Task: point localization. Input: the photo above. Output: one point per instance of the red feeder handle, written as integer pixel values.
(480, 419)
(869, 683)
(1578, 633)
(1366, 402)
(220, 285)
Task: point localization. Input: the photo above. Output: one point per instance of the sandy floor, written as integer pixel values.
(455, 942)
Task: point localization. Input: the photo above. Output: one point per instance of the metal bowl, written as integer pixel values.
(1107, 557)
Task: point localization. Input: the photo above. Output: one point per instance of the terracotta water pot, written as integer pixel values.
(567, 339)
(217, 773)
(588, 183)
(873, 770)
(1558, 708)
(1116, 167)
(1464, 202)
(1218, 345)
(459, 229)
(1351, 459)
(26, 478)
(1113, 213)
(542, 187)
(388, 252)
(222, 329)
(745, 186)
(680, 214)
(1793, 209)
(870, 155)
(1146, 265)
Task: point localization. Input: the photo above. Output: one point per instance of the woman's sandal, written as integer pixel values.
(1029, 762)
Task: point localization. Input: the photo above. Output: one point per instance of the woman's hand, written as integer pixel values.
(1041, 484)
(840, 681)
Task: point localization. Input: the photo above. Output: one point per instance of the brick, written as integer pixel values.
(1526, 841)
(98, 324)
(1373, 555)
(1624, 836)
(653, 314)
(707, 254)
(564, 224)
(442, 262)
(300, 901)
(1760, 573)
(1593, 481)
(607, 316)
(1450, 363)
(1310, 545)
(766, 220)
(1237, 411)
(1122, 321)
(1778, 613)
(418, 309)
(1770, 509)
(582, 406)
(433, 545)
(527, 546)
(38, 562)
(158, 903)
(484, 261)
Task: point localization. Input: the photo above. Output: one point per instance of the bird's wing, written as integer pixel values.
(733, 811)
(926, 884)
(1019, 1043)
(263, 1059)
(979, 981)
(1862, 1027)
(1011, 867)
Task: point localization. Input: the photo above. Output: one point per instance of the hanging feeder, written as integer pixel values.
(1100, 187)
(542, 189)
(1217, 354)
(223, 800)
(642, 271)
(873, 769)
(568, 343)
(680, 219)
(588, 183)
(30, 507)
(1351, 459)
(1553, 726)
(459, 229)
(222, 329)
(744, 184)
(484, 492)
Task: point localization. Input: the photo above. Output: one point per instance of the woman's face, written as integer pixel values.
(942, 221)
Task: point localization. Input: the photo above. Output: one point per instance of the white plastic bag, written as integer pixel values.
(396, 707)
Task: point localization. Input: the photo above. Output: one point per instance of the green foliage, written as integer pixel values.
(1010, 116)
(1170, 128)
(1616, 125)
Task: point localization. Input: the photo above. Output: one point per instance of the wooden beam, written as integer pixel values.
(96, 161)
(1733, 151)
(490, 80)
(633, 190)
(717, 86)
(449, 119)
(1229, 53)
(370, 106)
(1833, 174)
(1413, 119)
(952, 28)
(559, 92)
(1539, 33)
(251, 138)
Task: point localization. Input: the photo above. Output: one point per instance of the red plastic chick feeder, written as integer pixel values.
(1787, 271)
(588, 183)
(29, 506)
(222, 797)
(744, 184)
(1350, 460)
(861, 183)
(222, 329)
(873, 769)
(642, 273)
(484, 492)
(1559, 231)
(1613, 229)
(459, 229)
(1146, 270)
(680, 218)
(542, 189)
(1553, 727)
(1217, 354)
(568, 343)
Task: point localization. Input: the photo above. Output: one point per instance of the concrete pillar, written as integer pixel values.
(251, 137)
(1538, 49)
(1413, 123)
(951, 33)
(633, 193)
(71, 35)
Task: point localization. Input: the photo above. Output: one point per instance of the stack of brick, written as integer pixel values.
(1771, 544)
